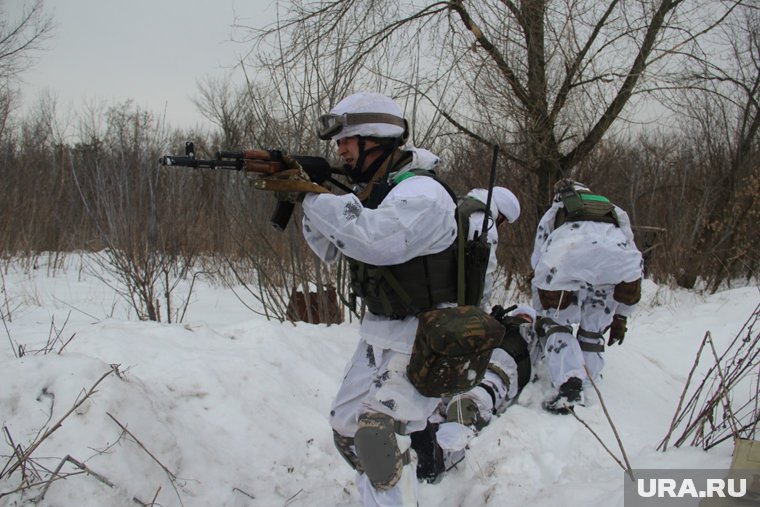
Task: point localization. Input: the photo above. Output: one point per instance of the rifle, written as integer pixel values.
(277, 172)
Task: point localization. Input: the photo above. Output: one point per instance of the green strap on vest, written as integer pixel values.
(405, 176)
(594, 197)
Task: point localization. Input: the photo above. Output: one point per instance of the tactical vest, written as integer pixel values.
(422, 283)
(400, 290)
(582, 205)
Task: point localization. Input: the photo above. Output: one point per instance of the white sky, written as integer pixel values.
(151, 51)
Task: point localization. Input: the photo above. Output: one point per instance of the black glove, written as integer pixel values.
(499, 313)
(617, 330)
(317, 168)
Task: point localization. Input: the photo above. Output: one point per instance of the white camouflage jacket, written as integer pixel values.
(578, 253)
(416, 218)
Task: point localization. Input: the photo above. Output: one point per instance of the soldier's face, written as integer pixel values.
(348, 150)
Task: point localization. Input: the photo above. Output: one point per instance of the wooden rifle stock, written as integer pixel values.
(276, 173)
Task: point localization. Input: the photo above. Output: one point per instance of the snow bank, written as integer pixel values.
(229, 409)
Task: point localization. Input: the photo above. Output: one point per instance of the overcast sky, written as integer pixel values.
(151, 51)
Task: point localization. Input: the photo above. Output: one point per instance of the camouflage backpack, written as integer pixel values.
(452, 349)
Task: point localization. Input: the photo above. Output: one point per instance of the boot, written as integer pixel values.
(430, 457)
(570, 394)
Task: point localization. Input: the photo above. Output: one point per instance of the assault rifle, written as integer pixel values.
(278, 172)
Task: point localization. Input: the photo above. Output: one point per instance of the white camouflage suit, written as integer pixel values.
(508, 206)
(585, 260)
(416, 218)
(452, 436)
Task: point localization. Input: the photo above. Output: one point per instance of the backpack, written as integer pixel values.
(452, 349)
(582, 205)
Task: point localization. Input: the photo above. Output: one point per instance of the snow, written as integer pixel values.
(229, 409)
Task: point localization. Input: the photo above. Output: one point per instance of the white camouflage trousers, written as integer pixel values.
(375, 381)
(590, 311)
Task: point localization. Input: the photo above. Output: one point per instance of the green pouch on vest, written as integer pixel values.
(452, 350)
(573, 203)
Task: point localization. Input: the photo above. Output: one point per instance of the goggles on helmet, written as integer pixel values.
(330, 125)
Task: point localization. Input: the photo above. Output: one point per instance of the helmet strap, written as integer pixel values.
(358, 173)
(380, 169)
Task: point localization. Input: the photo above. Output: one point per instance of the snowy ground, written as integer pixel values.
(228, 409)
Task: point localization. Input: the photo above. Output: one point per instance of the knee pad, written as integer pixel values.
(378, 451)
(345, 446)
(555, 299)
(628, 293)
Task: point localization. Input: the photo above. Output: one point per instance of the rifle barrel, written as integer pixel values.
(201, 164)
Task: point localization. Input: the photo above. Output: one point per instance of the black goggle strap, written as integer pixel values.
(332, 124)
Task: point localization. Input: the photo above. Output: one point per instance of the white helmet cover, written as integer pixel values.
(567, 182)
(503, 202)
(368, 102)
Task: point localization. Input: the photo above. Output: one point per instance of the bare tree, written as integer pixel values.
(544, 80)
(720, 158)
(220, 103)
(727, 239)
(146, 219)
(22, 37)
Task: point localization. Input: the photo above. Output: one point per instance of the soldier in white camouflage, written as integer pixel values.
(391, 230)
(587, 280)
